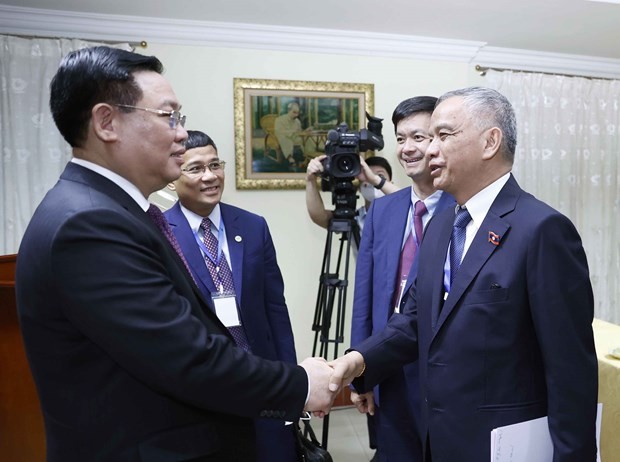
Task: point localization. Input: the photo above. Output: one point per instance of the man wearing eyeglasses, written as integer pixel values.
(253, 306)
(130, 361)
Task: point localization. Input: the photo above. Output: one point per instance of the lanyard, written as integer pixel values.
(220, 238)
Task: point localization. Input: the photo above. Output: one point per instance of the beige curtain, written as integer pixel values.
(33, 152)
(567, 155)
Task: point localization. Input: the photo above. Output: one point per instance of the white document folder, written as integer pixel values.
(530, 441)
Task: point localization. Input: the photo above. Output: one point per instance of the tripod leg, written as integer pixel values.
(342, 302)
(333, 288)
(321, 298)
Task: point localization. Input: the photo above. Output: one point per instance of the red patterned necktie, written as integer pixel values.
(222, 276)
(159, 219)
(407, 254)
(419, 211)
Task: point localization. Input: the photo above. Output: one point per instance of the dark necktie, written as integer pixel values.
(222, 277)
(159, 219)
(457, 242)
(407, 254)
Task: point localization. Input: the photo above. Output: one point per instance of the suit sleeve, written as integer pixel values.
(361, 321)
(392, 348)
(562, 304)
(275, 303)
(124, 296)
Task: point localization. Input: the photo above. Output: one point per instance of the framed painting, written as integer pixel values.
(280, 125)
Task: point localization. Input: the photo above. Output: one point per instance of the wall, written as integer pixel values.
(203, 80)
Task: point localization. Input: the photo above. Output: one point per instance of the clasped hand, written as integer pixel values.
(328, 378)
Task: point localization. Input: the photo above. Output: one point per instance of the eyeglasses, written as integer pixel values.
(196, 171)
(174, 117)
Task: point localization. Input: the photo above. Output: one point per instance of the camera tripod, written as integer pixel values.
(333, 288)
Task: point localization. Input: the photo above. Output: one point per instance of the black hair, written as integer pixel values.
(376, 161)
(411, 106)
(90, 76)
(198, 139)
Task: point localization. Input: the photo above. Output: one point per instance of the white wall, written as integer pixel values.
(203, 80)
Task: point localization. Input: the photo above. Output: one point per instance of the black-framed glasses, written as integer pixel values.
(198, 170)
(174, 117)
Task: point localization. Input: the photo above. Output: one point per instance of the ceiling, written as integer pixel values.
(576, 27)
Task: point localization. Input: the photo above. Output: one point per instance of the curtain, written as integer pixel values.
(33, 151)
(567, 155)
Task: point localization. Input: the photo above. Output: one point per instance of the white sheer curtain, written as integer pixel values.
(33, 152)
(567, 155)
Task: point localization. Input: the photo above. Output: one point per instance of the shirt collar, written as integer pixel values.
(115, 178)
(195, 220)
(479, 205)
(430, 202)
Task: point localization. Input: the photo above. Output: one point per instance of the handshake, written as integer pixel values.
(326, 379)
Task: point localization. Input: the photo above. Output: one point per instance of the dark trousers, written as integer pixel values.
(398, 439)
(372, 432)
(429, 457)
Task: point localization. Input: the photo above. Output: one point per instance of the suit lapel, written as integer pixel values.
(191, 250)
(477, 255)
(437, 261)
(80, 174)
(235, 242)
(185, 236)
(481, 247)
(398, 215)
(445, 201)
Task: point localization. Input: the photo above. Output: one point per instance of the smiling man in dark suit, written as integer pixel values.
(501, 312)
(129, 359)
(257, 310)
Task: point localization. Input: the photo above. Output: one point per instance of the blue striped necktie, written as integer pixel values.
(457, 242)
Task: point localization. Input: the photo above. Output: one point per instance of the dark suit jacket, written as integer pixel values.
(375, 282)
(260, 295)
(129, 361)
(512, 342)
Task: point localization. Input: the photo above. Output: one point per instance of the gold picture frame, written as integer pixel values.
(273, 144)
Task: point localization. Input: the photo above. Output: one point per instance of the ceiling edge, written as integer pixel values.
(69, 24)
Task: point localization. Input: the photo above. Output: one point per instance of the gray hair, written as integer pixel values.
(489, 108)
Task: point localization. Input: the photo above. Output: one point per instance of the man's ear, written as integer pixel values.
(103, 117)
(172, 187)
(492, 141)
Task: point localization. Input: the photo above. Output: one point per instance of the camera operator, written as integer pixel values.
(375, 181)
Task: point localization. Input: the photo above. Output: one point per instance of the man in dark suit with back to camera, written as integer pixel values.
(129, 359)
(257, 312)
(500, 314)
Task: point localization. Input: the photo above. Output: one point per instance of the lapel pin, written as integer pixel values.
(238, 238)
(494, 238)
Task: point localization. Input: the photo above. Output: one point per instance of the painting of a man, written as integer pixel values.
(287, 130)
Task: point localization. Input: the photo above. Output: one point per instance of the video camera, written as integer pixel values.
(342, 162)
